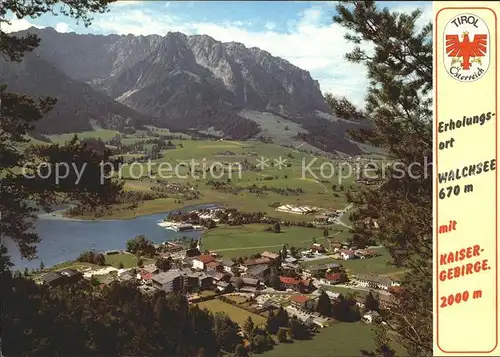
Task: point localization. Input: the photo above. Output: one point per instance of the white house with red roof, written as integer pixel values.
(332, 279)
(200, 262)
(347, 254)
(295, 284)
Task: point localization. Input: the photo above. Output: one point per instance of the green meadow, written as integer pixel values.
(103, 134)
(253, 238)
(340, 339)
(299, 170)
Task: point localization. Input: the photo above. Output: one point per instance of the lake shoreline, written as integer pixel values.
(62, 214)
(63, 239)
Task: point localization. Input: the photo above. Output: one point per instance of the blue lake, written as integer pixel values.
(65, 239)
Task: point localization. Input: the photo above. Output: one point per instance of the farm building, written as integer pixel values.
(296, 209)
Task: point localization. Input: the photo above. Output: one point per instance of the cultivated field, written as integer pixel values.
(252, 238)
(321, 186)
(377, 265)
(237, 314)
(128, 260)
(341, 339)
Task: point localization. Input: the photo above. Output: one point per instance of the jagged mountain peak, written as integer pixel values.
(196, 82)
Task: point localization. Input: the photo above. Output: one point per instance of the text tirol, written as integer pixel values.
(465, 19)
(462, 269)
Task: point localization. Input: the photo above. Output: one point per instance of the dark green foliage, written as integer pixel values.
(240, 351)
(248, 326)
(283, 253)
(297, 330)
(19, 115)
(226, 332)
(261, 341)
(282, 335)
(274, 282)
(371, 303)
(346, 310)
(343, 108)
(164, 264)
(272, 323)
(399, 103)
(116, 320)
(277, 321)
(324, 306)
(141, 246)
(94, 281)
(282, 317)
(208, 223)
(80, 320)
(92, 258)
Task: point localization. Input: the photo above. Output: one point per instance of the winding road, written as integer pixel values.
(344, 211)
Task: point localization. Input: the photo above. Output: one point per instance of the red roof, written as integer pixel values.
(205, 258)
(146, 276)
(288, 280)
(212, 264)
(306, 282)
(347, 251)
(301, 299)
(333, 277)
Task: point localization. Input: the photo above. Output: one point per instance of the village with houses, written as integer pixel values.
(225, 179)
(199, 275)
(294, 280)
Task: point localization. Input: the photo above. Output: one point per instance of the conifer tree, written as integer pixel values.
(248, 326)
(371, 303)
(399, 104)
(18, 115)
(324, 305)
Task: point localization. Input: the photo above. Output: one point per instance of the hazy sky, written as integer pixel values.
(299, 31)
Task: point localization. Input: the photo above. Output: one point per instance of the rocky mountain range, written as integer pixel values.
(176, 81)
